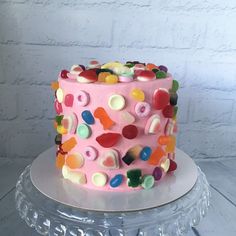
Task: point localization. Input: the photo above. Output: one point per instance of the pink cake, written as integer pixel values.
(116, 125)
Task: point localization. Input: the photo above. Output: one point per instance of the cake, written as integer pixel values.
(116, 125)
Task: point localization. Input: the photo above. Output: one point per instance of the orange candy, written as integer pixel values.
(75, 161)
(156, 156)
(54, 85)
(69, 144)
(164, 140)
(171, 145)
(105, 120)
(151, 66)
(60, 161)
(102, 76)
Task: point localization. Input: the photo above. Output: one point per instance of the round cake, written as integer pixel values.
(116, 125)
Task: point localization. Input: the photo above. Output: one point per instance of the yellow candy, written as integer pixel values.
(61, 129)
(111, 65)
(137, 95)
(102, 76)
(111, 79)
(170, 147)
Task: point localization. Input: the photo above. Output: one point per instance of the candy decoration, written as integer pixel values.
(145, 153)
(126, 118)
(59, 119)
(58, 107)
(142, 109)
(108, 139)
(137, 95)
(130, 131)
(58, 139)
(156, 156)
(94, 64)
(169, 128)
(173, 99)
(161, 74)
(134, 177)
(83, 98)
(160, 98)
(98, 71)
(69, 122)
(165, 164)
(90, 153)
(60, 95)
(157, 173)
(110, 160)
(168, 111)
(116, 181)
(151, 66)
(69, 144)
(171, 156)
(139, 67)
(170, 147)
(120, 70)
(153, 125)
(60, 160)
(88, 117)
(87, 76)
(175, 86)
(111, 79)
(99, 179)
(61, 130)
(132, 154)
(173, 166)
(103, 117)
(76, 177)
(111, 65)
(55, 85)
(116, 102)
(163, 68)
(76, 70)
(69, 99)
(125, 78)
(83, 131)
(102, 76)
(164, 140)
(75, 160)
(146, 75)
(148, 181)
(63, 74)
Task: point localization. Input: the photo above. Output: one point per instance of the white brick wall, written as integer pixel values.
(195, 39)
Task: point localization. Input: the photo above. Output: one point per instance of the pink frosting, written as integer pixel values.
(99, 95)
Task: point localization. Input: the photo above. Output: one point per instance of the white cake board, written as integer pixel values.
(49, 181)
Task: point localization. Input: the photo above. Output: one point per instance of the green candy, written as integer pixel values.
(155, 70)
(175, 111)
(161, 74)
(148, 181)
(129, 65)
(83, 131)
(134, 177)
(175, 85)
(59, 119)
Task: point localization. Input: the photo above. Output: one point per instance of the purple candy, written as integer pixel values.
(82, 66)
(163, 68)
(157, 173)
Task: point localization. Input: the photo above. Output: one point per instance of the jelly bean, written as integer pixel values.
(90, 153)
(165, 164)
(137, 95)
(99, 179)
(60, 95)
(116, 181)
(110, 160)
(69, 144)
(161, 74)
(173, 166)
(146, 75)
(83, 131)
(145, 153)
(61, 129)
(58, 107)
(148, 181)
(87, 76)
(130, 131)
(116, 102)
(94, 64)
(60, 160)
(163, 68)
(55, 85)
(134, 177)
(103, 117)
(168, 111)
(153, 125)
(170, 147)
(76, 70)
(160, 98)
(63, 74)
(156, 156)
(59, 119)
(88, 117)
(126, 118)
(111, 79)
(102, 76)
(108, 139)
(83, 98)
(157, 173)
(151, 66)
(58, 139)
(75, 160)
(132, 154)
(69, 99)
(142, 109)
(76, 177)
(125, 78)
(169, 128)
(173, 99)
(175, 86)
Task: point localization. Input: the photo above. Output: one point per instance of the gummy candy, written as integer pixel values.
(170, 147)
(139, 66)
(146, 75)
(58, 107)
(169, 128)
(145, 153)
(156, 156)
(102, 76)
(109, 160)
(94, 64)
(137, 95)
(83, 131)
(120, 70)
(126, 118)
(175, 86)
(60, 95)
(54, 85)
(108, 139)
(148, 181)
(151, 66)
(88, 117)
(116, 102)
(126, 78)
(116, 181)
(61, 130)
(168, 111)
(76, 177)
(142, 109)
(69, 122)
(103, 117)
(99, 179)
(60, 160)
(59, 119)
(164, 140)
(160, 98)
(64, 73)
(75, 160)
(134, 177)
(58, 139)
(153, 124)
(173, 99)
(130, 131)
(111, 65)
(69, 99)
(87, 76)
(132, 154)
(163, 68)
(111, 79)
(90, 153)
(173, 166)
(157, 173)
(76, 70)
(83, 98)
(161, 74)
(69, 144)
(165, 164)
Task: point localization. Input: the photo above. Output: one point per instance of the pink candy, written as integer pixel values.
(142, 109)
(83, 98)
(69, 99)
(90, 153)
(58, 107)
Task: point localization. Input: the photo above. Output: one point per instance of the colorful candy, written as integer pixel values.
(160, 98)
(153, 124)
(60, 160)
(145, 153)
(116, 181)
(126, 118)
(90, 153)
(69, 99)
(165, 164)
(60, 95)
(75, 160)
(87, 76)
(151, 66)
(88, 117)
(137, 94)
(169, 128)
(102, 76)
(175, 86)
(103, 117)
(111, 79)
(110, 160)
(125, 78)
(76, 70)
(58, 139)
(116, 102)
(108, 139)
(173, 99)
(69, 144)
(163, 68)
(61, 129)
(94, 64)
(156, 156)
(63, 74)
(148, 181)
(168, 111)
(170, 147)
(132, 154)
(173, 166)
(69, 122)
(58, 107)
(146, 75)
(83, 131)
(83, 98)
(130, 131)
(161, 74)
(76, 177)
(99, 179)
(134, 177)
(142, 109)
(55, 85)
(157, 173)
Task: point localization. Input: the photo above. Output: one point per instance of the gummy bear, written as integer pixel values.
(102, 115)
(134, 177)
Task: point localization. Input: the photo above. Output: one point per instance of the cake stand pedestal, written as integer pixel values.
(50, 216)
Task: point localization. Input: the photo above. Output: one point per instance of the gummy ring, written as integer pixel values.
(83, 98)
(142, 109)
(90, 153)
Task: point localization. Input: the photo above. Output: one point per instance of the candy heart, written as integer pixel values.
(110, 160)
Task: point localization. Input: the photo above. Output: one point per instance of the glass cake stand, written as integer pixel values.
(50, 217)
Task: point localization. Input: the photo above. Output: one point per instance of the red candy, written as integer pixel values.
(58, 107)
(168, 111)
(146, 75)
(108, 140)
(64, 74)
(69, 99)
(173, 166)
(130, 131)
(160, 99)
(87, 76)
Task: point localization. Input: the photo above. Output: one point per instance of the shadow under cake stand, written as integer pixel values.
(53, 206)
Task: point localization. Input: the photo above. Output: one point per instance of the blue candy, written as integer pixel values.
(116, 181)
(145, 153)
(88, 117)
